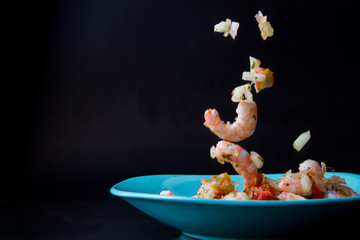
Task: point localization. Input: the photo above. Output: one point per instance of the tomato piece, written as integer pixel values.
(262, 192)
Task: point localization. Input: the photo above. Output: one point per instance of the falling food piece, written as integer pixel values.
(260, 77)
(301, 140)
(242, 92)
(227, 27)
(264, 26)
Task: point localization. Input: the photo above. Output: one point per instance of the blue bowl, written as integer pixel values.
(226, 219)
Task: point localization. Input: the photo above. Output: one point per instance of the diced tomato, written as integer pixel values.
(262, 192)
(316, 192)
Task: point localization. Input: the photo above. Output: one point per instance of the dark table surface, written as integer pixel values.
(108, 218)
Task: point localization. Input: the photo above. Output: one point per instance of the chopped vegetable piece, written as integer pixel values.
(233, 29)
(241, 92)
(227, 27)
(260, 77)
(265, 27)
(287, 196)
(236, 195)
(262, 192)
(256, 159)
(273, 184)
(306, 183)
(223, 27)
(301, 140)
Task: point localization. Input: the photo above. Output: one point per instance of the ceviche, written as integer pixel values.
(308, 183)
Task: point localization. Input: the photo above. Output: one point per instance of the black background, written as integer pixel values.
(95, 92)
(106, 90)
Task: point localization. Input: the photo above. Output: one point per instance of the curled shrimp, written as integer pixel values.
(313, 168)
(309, 180)
(240, 159)
(241, 128)
(298, 183)
(336, 189)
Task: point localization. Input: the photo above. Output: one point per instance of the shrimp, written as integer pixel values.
(166, 193)
(298, 183)
(240, 159)
(335, 189)
(243, 127)
(313, 168)
(309, 179)
(286, 196)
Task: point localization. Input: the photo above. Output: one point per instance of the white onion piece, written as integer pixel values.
(254, 63)
(237, 195)
(233, 29)
(256, 159)
(260, 18)
(247, 76)
(287, 196)
(248, 95)
(241, 92)
(306, 183)
(301, 140)
(227, 27)
(265, 27)
(223, 26)
(273, 184)
(237, 94)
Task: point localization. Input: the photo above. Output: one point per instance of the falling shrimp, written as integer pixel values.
(241, 128)
(240, 159)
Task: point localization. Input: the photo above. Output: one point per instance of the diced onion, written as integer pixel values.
(266, 30)
(260, 18)
(301, 140)
(256, 159)
(237, 195)
(227, 27)
(260, 77)
(305, 183)
(273, 184)
(241, 92)
(265, 27)
(248, 95)
(237, 94)
(287, 196)
(223, 26)
(254, 63)
(233, 29)
(246, 76)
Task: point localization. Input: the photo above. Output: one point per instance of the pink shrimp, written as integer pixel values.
(298, 183)
(243, 127)
(313, 168)
(335, 189)
(286, 196)
(309, 180)
(240, 159)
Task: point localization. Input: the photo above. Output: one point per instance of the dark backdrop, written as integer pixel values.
(107, 90)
